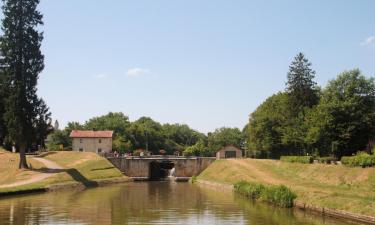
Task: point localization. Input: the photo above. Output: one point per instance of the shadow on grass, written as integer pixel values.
(105, 168)
(74, 173)
(46, 154)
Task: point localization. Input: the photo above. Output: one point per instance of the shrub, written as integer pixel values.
(250, 190)
(326, 160)
(297, 159)
(279, 195)
(193, 179)
(361, 159)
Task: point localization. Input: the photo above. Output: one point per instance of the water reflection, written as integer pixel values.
(147, 203)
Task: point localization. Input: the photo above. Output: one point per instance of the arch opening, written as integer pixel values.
(161, 170)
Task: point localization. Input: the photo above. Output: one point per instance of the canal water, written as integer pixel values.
(148, 203)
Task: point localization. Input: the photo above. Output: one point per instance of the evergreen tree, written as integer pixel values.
(301, 88)
(20, 45)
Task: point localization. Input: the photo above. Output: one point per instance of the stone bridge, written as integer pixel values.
(156, 168)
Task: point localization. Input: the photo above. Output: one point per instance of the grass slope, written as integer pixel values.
(78, 167)
(336, 187)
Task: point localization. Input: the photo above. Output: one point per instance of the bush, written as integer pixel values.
(362, 159)
(326, 160)
(279, 195)
(250, 190)
(297, 159)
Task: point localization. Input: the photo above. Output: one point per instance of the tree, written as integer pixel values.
(266, 127)
(301, 88)
(43, 126)
(3, 92)
(56, 125)
(179, 136)
(117, 122)
(223, 137)
(344, 121)
(198, 149)
(20, 45)
(147, 134)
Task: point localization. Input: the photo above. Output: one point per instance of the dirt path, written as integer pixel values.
(51, 170)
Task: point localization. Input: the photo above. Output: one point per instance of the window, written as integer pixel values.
(100, 141)
(80, 140)
(99, 150)
(81, 149)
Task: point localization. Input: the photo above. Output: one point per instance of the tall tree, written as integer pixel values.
(344, 120)
(301, 88)
(2, 98)
(20, 45)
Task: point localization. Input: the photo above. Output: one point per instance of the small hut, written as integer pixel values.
(229, 152)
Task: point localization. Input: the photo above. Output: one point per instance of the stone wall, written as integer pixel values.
(140, 167)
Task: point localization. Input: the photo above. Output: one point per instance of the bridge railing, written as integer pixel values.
(114, 155)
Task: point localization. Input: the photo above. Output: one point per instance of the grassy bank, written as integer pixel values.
(330, 186)
(76, 168)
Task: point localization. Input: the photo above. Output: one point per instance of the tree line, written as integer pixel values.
(305, 119)
(149, 135)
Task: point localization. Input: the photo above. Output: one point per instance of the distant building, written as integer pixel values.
(229, 152)
(92, 141)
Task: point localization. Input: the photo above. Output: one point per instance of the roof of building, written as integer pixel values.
(91, 134)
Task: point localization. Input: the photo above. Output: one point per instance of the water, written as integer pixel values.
(148, 203)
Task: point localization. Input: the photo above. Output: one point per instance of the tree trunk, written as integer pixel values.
(23, 162)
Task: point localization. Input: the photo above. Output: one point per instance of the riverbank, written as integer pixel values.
(331, 189)
(56, 170)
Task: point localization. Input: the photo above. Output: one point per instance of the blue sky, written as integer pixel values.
(204, 63)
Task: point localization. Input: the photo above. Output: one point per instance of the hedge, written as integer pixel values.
(326, 160)
(361, 159)
(276, 194)
(297, 159)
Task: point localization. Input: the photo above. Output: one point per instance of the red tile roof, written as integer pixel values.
(90, 134)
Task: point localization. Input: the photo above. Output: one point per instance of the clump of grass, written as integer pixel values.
(250, 190)
(362, 159)
(276, 194)
(297, 159)
(193, 179)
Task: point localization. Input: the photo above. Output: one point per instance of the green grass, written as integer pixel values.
(84, 168)
(297, 159)
(331, 186)
(279, 195)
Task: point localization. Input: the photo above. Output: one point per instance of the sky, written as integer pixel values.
(207, 64)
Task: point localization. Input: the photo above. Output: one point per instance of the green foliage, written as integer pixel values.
(223, 137)
(179, 136)
(199, 149)
(279, 195)
(193, 179)
(276, 194)
(147, 134)
(297, 159)
(57, 138)
(326, 160)
(25, 114)
(265, 128)
(362, 159)
(344, 120)
(117, 122)
(340, 124)
(250, 190)
(301, 88)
